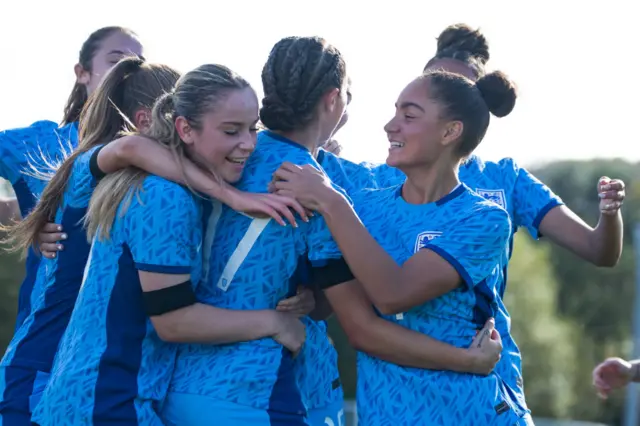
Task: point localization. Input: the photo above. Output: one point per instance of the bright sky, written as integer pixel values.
(569, 60)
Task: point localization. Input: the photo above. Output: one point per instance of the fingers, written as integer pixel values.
(283, 210)
(51, 237)
(282, 174)
(51, 228)
(292, 203)
(50, 250)
(288, 303)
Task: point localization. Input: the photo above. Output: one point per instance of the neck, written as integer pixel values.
(308, 137)
(429, 184)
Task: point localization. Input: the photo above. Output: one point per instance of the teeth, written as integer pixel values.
(237, 160)
(397, 144)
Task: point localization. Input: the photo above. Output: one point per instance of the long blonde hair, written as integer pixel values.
(130, 85)
(198, 92)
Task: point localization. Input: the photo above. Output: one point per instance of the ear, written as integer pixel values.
(452, 132)
(82, 76)
(330, 99)
(185, 131)
(142, 119)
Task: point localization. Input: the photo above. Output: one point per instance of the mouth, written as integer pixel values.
(238, 161)
(395, 145)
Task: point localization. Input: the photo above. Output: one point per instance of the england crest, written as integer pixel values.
(424, 238)
(494, 195)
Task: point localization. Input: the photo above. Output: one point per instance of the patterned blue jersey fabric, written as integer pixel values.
(58, 280)
(111, 366)
(471, 234)
(525, 198)
(254, 264)
(26, 157)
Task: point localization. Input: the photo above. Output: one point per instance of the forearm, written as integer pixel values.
(369, 262)
(600, 246)
(201, 323)
(149, 156)
(607, 240)
(399, 345)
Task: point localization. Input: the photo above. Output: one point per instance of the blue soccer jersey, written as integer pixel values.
(472, 235)
(525, 198)
(26, 157)
(254, 264)
(35, 342)
(111, 366)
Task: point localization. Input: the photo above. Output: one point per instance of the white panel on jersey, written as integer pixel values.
(240, 254)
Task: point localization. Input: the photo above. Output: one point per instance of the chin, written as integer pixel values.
(393, 161)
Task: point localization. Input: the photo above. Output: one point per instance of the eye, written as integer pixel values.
(409, 117)
(231, 132)
(253, 129)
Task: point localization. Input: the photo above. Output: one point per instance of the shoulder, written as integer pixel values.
(368, 202)
(475, 209)
(166, 197)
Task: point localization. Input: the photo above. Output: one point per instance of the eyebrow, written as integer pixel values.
(121, 53)
(405, 105)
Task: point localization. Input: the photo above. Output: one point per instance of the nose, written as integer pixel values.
(391, 126)
(248, 142)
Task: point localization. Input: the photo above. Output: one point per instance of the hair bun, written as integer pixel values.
(499, 92)
(461, 37)
(277, 115)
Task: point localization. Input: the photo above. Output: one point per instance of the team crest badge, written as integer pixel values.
(424, 238)
(494, 195)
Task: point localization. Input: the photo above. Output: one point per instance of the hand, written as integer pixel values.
(333, 147)
(302, 304)
(48, 240)
(291, 332)
(613, 373)
(268, 205)
(611, 193)
(305, 183)
(486, 349)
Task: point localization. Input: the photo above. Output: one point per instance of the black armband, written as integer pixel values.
(93, 165)
(336, 271)
(165, 300)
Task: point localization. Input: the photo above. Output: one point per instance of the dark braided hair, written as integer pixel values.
(299, 71)
(465, 44)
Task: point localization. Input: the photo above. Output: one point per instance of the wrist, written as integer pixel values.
(270, 321)
(225, 193)
(331, 203)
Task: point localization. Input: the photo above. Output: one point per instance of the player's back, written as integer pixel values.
(111, 365)
(471, 234)
(30, 353)
(254, 264)
(26, 156)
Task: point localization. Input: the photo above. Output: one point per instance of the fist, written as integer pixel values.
(611, 193)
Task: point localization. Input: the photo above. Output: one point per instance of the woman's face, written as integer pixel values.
(113, 48)
(227, 136)
(417, 133)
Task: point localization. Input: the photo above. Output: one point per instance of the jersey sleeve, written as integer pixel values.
(161, 224)
(84, 177)
(476, 245)
(20, 147)
(532, 200)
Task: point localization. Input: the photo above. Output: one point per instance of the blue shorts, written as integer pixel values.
(332, 415)
(181, 409)
(20, 392)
